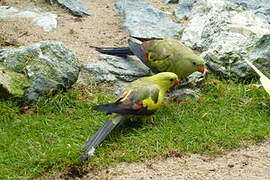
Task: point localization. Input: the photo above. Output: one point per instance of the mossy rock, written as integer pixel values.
(12, 83)
(48, 65)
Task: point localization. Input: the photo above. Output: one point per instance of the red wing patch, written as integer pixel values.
(137, 105)
(129, 105)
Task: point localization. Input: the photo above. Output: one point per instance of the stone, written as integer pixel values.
(47, 21)
(183, 93)
(113, 69)
(76, 7)
(193, 80)
(184, 8)
(49, 65)
(227, 34)
(259, 7)
(144, 21)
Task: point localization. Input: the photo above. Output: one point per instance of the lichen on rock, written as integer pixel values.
(49, 66)
(227, 33)
(144, 21)
(12, 83)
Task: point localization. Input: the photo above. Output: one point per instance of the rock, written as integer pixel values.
(170, 1)
(227, 34)
(259, 54)
(145, 21)
(184, 8)
(12, 83)
(50, 66)
(115, 69)
(47, 21)
(179, 94)
(193, 80)
(76, 7)
(259, 7)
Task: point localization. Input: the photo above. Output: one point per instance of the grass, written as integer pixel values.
(48, 137)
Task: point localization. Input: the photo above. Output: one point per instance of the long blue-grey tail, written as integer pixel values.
(90, 147)
(121, 51)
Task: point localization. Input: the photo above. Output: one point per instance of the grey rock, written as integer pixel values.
(145, 21)
(50, 66)
(12, 83)
(76, 7)
(259, 54)
(115, 69)
(184, 8)
(227, 34)
(47, 21)
(193, 80)
(259, 7)
(183, 93)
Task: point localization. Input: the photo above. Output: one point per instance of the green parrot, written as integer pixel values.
(163, 55)
(141, 98)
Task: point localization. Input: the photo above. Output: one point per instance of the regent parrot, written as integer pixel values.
(165, 55)
(140, 98)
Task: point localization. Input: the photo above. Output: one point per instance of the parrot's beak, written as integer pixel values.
(176, 82)
(201, 69)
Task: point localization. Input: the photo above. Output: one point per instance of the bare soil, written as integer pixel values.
(103, 28)
(246, 164)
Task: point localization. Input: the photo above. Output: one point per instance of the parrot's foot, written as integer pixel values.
(151, 73)
(147, 119)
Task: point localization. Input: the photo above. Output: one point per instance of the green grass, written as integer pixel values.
(48, 138)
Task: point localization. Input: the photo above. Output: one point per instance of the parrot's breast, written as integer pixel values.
(151, 104)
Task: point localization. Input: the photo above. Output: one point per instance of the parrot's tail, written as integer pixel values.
(122, 51)
(101, 134)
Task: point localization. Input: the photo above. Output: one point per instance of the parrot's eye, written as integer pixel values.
(171, 79)
(194, 63)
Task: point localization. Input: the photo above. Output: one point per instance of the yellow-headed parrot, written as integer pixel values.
(140, 98)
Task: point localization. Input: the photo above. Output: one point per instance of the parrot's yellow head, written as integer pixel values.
(165, 80)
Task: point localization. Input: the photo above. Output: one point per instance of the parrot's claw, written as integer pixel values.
(147, 119)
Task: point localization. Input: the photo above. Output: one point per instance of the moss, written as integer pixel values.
(19, 84)
(12, 83)
(37, 67)
(29, 57)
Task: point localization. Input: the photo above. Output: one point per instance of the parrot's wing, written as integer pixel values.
(266, 84)
(136, 48)
(132, 102)
(264, 80)
(140, 49)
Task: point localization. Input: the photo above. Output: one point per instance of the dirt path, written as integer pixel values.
(246, 164)
(103, 28)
